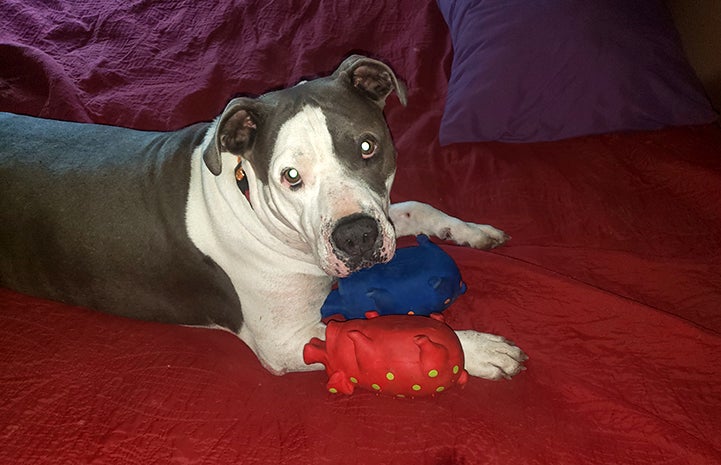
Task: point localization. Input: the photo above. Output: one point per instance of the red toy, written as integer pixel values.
(398, 355)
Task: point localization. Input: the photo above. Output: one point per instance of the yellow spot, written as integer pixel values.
(456, 369)
(390, 376)
(353, 380)
(416, 387)
(440, 389)
(433, 373)
(376, 387)
(333, 390)
(400, 396)
(411, 312)
(447, 301)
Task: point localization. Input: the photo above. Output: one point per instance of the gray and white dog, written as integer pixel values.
(152, 225)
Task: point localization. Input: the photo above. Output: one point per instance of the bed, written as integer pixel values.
(597, 152)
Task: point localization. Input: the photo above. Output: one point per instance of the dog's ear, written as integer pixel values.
(235, 132)
(372, 78)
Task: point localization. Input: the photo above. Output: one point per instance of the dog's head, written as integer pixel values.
(320, 161)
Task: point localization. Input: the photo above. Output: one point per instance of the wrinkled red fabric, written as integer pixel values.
(611, 283)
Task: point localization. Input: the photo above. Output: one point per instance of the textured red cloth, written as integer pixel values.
(612, 282)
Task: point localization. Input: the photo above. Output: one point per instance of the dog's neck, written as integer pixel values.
(230, 222)
(262, 204)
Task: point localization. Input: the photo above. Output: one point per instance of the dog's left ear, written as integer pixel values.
(371, 77)
(235, 131)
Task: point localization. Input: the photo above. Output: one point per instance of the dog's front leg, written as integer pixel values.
(411, 218)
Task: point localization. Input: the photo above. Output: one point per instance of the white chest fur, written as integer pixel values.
(280, 288)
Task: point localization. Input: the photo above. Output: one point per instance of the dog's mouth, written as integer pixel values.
(346, 266)
(353, 264)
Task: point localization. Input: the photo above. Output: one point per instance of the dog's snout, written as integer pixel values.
(355, 235)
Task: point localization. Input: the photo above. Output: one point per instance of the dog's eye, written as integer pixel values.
(292, 177)
(368, 148)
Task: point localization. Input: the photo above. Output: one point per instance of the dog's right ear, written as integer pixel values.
(235, 132)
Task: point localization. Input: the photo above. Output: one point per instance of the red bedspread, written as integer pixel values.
(612, 282)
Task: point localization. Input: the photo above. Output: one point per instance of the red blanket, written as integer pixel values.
(611, 283)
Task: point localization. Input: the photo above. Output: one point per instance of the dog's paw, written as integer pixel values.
(489, 356)
(478, 236)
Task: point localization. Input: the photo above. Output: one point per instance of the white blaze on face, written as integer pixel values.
(327, 191)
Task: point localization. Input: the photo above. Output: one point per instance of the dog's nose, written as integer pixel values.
(355, 234)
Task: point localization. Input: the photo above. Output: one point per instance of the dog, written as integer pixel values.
(153, 225)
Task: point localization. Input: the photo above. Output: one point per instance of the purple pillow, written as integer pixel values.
(551, 69)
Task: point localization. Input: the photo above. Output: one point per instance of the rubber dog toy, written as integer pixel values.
(418, 281)
(397, 355)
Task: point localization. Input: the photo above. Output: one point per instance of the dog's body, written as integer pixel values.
(153, 225)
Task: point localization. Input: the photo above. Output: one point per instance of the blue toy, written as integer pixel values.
(417, 281)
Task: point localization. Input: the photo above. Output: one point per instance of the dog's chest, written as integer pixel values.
(269, 276)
